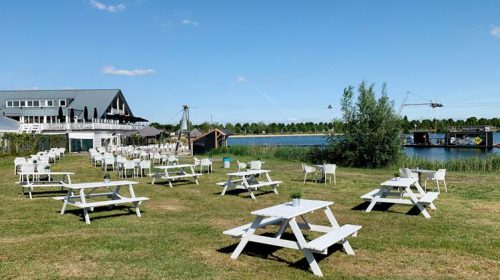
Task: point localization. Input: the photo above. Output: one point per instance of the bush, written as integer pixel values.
(372, 130)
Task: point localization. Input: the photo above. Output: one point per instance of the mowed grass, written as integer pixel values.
(180, 233)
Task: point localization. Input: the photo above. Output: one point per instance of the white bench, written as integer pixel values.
(109, 202)
(239, 231)
(428, 197)
(370, 195)
(322, 243)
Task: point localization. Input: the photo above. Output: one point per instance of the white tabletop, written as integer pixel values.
(249, 172)
(422, 171)
(287, 211)
(401, 182)
(174, 166)
(91, 185)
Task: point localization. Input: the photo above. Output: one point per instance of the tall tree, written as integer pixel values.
(60, 114)
(95, 113)
(85, 114)
(71, 115)
(372, 129)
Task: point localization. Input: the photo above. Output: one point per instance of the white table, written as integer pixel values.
(285, 215)
(323, 172)
(37, 182)
(398, 191)
(172, 173)
(88, 190)
(246, 180)
(422, 171)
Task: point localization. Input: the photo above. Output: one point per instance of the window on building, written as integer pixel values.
(50, 103)
(9, 103)
(16, 103)
(62, 102)
(29, 103)
(22, 103)
(36, 103)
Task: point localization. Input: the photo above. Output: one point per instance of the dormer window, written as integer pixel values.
(62, 103)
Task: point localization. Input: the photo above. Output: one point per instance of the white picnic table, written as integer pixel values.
(398, 191)
(285, 215)
(48, 181)
(247, 180)
(172, 173)
(89, 190)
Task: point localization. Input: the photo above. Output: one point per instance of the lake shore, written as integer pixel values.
(276, 135)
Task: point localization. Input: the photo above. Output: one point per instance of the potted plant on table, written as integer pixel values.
(396, 175)
(106, 178)
(296, 197)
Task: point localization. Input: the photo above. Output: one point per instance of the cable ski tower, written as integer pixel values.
(184, 128)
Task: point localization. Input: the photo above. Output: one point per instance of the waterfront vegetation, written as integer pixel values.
(317, 154)
(180, 233)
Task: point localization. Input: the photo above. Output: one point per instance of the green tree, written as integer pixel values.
(372, 129)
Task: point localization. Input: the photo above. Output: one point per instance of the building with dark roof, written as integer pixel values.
(90, 117)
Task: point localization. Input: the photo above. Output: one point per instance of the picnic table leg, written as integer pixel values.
(331, 218)
(307, 253)
(420, 207)
(136, 204)
(85, 210)
(29, 191)
(374, 200)
(282, 229)
(228, 183)
(247, 187)
(246, 237)
(422, 192)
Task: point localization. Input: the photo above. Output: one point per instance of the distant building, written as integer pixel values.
(211, 140)
(89, 118)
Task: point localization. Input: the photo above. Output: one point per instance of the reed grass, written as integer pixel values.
(314, 154)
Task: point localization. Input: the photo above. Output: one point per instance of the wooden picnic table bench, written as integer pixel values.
(247, 180)
(285, 215)
(398, 191)
(43, 180)
(88, 191)
(177, 172)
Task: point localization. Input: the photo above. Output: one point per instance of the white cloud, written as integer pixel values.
(241, 79)
(110, 8)
(111, 70)
(495, 31)
(190, 22)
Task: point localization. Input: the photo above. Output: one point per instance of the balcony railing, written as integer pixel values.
(81, 126)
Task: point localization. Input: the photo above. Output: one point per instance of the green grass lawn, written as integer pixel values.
(180, 233)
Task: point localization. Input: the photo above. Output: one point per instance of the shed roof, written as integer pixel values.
(149, 132)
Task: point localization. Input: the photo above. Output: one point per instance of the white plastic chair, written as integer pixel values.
(26, 168)
(18, 161)
(255, 165)
(108, 160)
(145, 164)
(407, 173)
(329, 169)
(127, 166)
(437, 176)
(308, 170)
(241, 165)
(206, 163)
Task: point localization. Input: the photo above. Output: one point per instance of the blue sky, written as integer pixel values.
(257, 60)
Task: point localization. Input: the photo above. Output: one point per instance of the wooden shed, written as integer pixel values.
(211, 140)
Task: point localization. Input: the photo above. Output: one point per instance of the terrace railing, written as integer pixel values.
(78, 126)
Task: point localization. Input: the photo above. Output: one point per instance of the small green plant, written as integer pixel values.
(47, 167)
(396, 174)
(106, 176)
(296, 195)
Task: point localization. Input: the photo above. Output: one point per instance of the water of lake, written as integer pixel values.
(430, 153)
